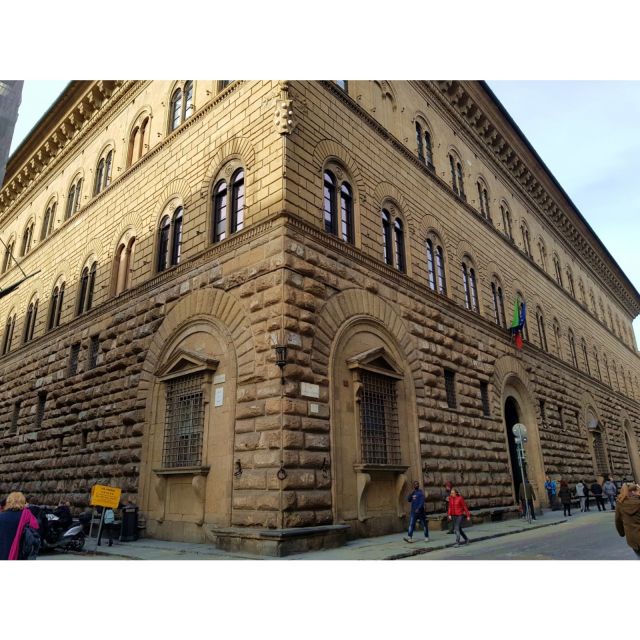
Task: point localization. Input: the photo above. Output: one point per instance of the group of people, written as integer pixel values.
(455, 506)
(625, 502)
(602, 494)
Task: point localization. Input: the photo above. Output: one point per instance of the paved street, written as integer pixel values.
(588, 536)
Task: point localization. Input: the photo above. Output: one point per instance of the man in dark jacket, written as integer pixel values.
(628, 516)
(596, 490)
(416, 499)
(610, 491)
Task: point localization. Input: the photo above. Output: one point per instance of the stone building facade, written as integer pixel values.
(173, 234)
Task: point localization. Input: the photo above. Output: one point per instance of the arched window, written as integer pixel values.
(425, 150)
(181, 105)
(137, 142)
(123, 266)
(338, 190)
(572, 288)
(525, 327)
(603, 317)
(498, 304)
(73, 198)
(30, 320)
(8, 333)
(170, 240)
(506, 222)
(47, 222)
(87, 285)
(55, 306)
(483, 200)
(393, 241)
(585, 355)
(619, 334)
(592, 299)
(556, 266)
(542, 335)
(606, 368)
(556, 337)
(27, 237)
(237, 201)
(103, 172)
(457, 181)
(470, 287)
(8, 256)
(224, 225)
(220, 211)
(597, 361)
(572, 349)
(583, 297)
(543, 255)
(526, 243)
(435, 266)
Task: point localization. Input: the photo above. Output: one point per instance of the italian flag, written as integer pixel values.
(518, 321)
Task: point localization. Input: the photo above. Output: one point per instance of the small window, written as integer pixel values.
(42, 401)
(74, 354)
(55, 307)
(572, 350)
(483, 200)
(543, 256)
(541, 330)
(572, 289)
(484, 393)
(181, 105)
(470, 288)
(387, 246)
(498, 304)
(526, 243)
(457, 183)
(94, 349)
(556, 264)
(543, 412)
(84, 436)
(170, 240)
(506, 222)
(8, 256)
(8, 333)
(228, 206)
(585, 355)
(73, 198)
(47, 222)
(30, 320)
(103, 172)
(338, 190)
(15, 417)
(450, 388)
(27, 237)
(87, 286)
(123, 266)
(561, 417)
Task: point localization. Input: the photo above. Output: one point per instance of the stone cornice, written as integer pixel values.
(72, 129)
(562, 216)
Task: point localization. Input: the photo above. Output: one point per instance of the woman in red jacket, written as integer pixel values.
(457, 511)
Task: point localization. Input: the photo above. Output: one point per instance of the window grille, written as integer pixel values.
(484, 392)
(94, 348)
(450, 387)
(184, 422)
(73, 358)
(601, 457)
(380, 433)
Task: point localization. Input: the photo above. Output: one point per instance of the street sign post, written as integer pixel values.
(107, 498)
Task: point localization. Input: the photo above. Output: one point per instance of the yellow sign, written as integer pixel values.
(103, 496)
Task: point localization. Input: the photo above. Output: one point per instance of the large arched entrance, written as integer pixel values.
(632, 450)
(512, 417)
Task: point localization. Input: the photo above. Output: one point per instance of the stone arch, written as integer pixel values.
(176, 188)
(95, 249)
(131, 223)
(511, 380)
(387, 191)
(237, 147)
(387, 90)
(357, 302)
(220, 304)
(332, 150)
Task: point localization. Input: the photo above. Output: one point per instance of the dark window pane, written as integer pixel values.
(346, 209)
(329, 201)
(400, 256)
(220, 212)
(176, 108)
(431, 273)
(163, 244)
(176, 248)
(387, 247)
(237, 201)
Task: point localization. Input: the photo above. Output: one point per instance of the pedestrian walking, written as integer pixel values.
(610, 491)
(596, 490)
(564, 493)
(417, 514)
(628, 515)
(527, 496)
(457, 511)
(587, 492)
(446, 492)
(580, 494)
(550, 487)
(13, 520)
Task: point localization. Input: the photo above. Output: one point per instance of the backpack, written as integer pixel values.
(109, 516)
(30, 544)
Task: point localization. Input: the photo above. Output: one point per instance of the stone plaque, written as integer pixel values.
(218, 398)
(309, 390)
(219, 379)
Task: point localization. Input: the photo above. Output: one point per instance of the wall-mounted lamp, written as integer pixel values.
(281, 355)
(238, 469)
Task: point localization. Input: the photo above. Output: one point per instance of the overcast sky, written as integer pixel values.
(586, 133)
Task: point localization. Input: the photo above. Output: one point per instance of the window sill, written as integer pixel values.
(391, 468)
(183, 471)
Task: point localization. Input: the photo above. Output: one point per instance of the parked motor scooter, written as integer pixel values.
(56, 534)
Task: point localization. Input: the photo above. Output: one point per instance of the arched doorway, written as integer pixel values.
(512, 417)
(597, 445)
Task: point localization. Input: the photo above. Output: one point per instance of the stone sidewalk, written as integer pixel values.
(390, 547)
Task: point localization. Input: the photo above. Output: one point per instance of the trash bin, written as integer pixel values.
(129, 529)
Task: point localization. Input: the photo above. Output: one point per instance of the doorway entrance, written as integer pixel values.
(512, 417)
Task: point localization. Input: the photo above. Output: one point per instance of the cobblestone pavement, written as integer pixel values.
(585, 536)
